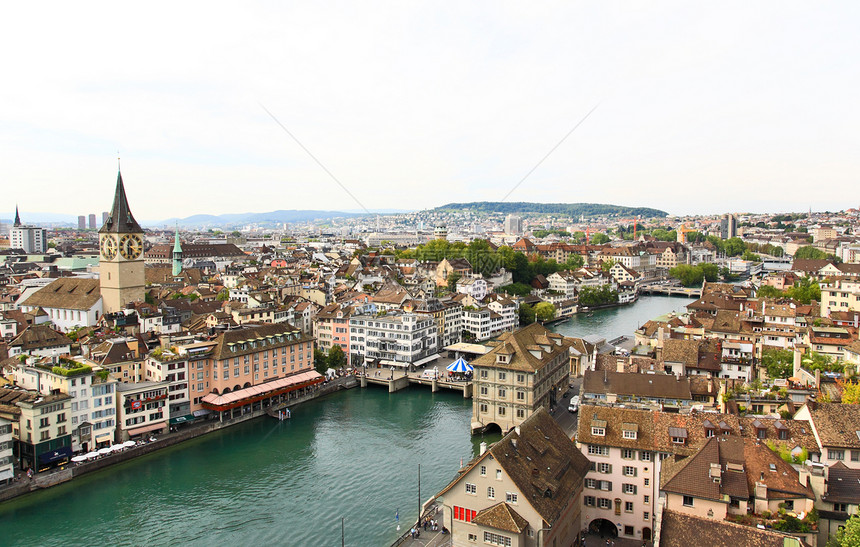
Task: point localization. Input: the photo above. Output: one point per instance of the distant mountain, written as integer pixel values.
(236, 219)
(567, 209)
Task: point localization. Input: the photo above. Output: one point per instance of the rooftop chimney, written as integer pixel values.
(483, 447)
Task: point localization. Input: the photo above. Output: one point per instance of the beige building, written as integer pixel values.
(840, 295)
(523, 492)
(121, 265)
(141, 409)
(526, 369)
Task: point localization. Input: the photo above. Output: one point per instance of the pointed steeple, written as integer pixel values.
(17, 217)
(177, 254)
(120, 219)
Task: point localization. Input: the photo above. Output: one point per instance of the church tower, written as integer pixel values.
(177, 255)
(121, 267)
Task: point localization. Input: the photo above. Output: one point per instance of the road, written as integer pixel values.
(568, 420)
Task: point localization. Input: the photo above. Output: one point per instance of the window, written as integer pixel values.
(483, 470)
(501, 411)
(645, 456)
(646, 516)
(498, 474)
(590, 501)
(502, 376)
(646, 499)
(836, 454)
(628, 530)
(628, 454)
(471, 488)
(591, 483)
(604, 503)
(688, 501)
(628, 506)
(761, 433)
(521, 413)
(461, 513)
(840, 507)
(604, 468)
(521, 378)
(789, 505)
(511, 497)
(483, 408)
(598, 450)
(647, 482)
(679, 440)
(496, 539)
(44, 422)
(629, 488)
(598, 431)
(473, 537)
(629, 434)
(521, 395)
(855, 455)
(491, 493)
(501, 393)
(606, 486)
(629, 471)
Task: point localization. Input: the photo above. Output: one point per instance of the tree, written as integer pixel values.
(689, 276)
(336, 357)
(819, 361)
(544, 311)
(734, 246)
(804, 290)
(850, 392)
(710, 271)
(574, 262)
(809, 252)
(320, 361)
(751, 256)
(779, 363)
(606, 265)
(518, 289)
(452, 281)
(223, 296)
(769, 291)
(599, 239)
(848, 536)
(527, 314)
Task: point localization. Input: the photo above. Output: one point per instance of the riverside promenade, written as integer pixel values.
(397, 378)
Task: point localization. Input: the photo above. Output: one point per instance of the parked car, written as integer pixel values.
(574, 404)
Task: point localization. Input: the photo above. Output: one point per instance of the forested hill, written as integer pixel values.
(567, 209)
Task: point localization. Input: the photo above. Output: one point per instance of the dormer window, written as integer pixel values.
(678, 435)
(501, 358)
(598, 428)
(629, 431)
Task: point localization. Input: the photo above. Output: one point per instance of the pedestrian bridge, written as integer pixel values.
(398, 379)
(671, 290)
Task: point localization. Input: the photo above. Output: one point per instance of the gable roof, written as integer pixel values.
(520, 344)
(39, 337)
(69, 293)
(501, 516)
(678, 528)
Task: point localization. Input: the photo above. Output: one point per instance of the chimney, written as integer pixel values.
(483, 448)
(619, 365)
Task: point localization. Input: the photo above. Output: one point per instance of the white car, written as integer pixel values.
(574, 404)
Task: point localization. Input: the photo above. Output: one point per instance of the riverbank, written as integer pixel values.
(68, 472)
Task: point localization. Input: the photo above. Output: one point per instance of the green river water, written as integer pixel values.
(352, 454)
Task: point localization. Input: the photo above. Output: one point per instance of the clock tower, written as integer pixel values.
(121, 266)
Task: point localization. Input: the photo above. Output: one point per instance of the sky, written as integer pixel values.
(695, 108)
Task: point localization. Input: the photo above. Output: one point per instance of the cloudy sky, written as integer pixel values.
(701, 107)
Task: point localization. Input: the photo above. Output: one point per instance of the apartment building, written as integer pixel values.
(527, 369)
(398, 338)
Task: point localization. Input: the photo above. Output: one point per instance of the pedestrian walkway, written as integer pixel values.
(596, 540)
(427, 538)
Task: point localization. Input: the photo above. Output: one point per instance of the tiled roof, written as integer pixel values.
(665, 386)
(681, 351)
(519, 343)
(837, 424)
(39, 336)
(501, 516)
(843, 484)
(70, 293)
(678, 528)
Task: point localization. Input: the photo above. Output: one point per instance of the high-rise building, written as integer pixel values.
(104, 216)
(513, 225)
(121, 267)
(92, 221)
(31, 239)
(82, 222)
(728, 226)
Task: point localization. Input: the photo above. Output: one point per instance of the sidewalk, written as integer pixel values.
(428, 538)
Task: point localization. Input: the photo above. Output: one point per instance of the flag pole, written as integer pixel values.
(419, 495)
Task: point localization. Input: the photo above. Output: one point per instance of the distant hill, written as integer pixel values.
(567, 209)
(271, 218)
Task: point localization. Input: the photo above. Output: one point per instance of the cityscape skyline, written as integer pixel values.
(414, 106)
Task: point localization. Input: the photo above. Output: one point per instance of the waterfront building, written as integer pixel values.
(123, 357)
(7, 460)
(30, 239)
(525, 490)
(39, 427)
(121, 267)
(91, 410)
(141, 409)
(69, 302)
(331, 327)
(527, 369)
(398, 338)
(163, 365)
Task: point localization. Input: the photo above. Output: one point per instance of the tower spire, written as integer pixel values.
(17, 216)
(177, 253)
(120, 220)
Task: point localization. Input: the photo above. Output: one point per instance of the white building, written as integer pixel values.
(474, 287)
(396, 339)
(7, 472)
(70, 302)
(31, 239)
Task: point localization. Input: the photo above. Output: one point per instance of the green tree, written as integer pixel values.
(320, 361)
(710, 271)
(336, 357)
(751, 256)
(689, 276)
(850, 392)
(574, 262)
(544, 311)
(453, 278)
(599, 239)
(804, 290)
(518, 289)
(734, 246)
(223, 296)
(809, 252)
(717, 243)
(606, 265)
(819, 361)
(527, 314)
(779, 363)
(849, 536)
(769, 291)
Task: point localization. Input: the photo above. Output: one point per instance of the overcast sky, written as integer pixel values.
(701, 107)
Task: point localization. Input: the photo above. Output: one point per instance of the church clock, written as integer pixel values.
(130, 246)
(109, 247)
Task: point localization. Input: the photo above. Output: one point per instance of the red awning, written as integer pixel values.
(252, 394)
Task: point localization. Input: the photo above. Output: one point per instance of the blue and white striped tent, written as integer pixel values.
(460, 365)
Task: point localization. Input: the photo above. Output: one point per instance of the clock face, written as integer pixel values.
(130, 246)
(109, 247)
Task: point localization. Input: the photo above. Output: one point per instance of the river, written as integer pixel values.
(352, 454)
